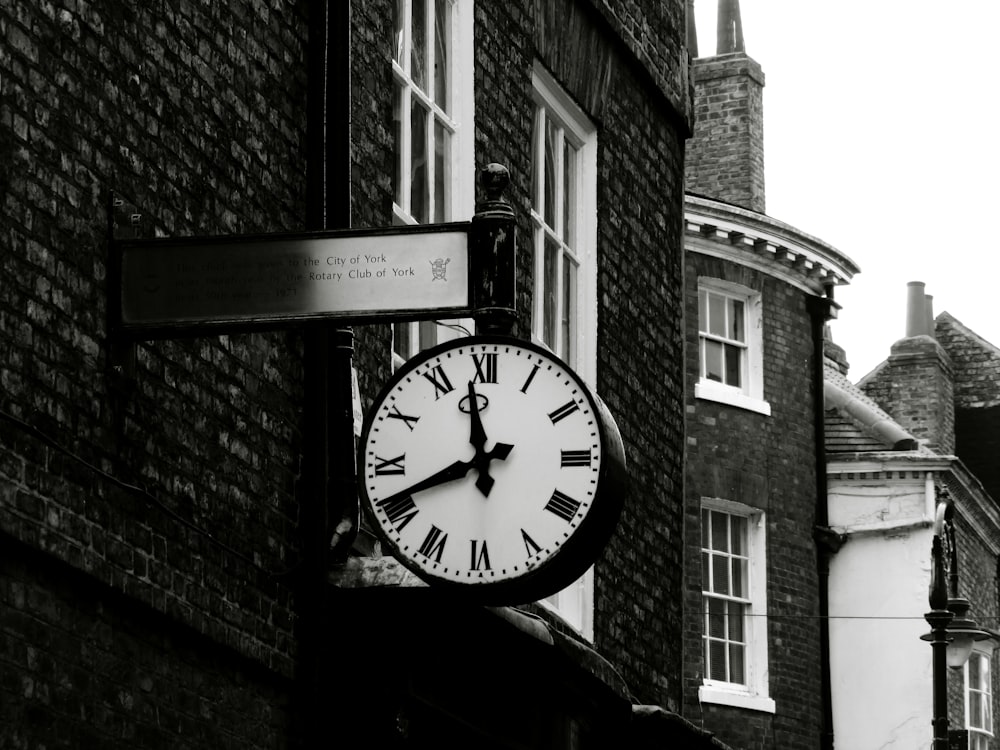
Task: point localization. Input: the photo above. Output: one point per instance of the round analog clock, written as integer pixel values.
(488, 465)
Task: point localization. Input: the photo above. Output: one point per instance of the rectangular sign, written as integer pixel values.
(365, 274)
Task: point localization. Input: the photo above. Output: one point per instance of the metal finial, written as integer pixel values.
(495, 178)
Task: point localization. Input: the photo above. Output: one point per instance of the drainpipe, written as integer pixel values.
(823, 309)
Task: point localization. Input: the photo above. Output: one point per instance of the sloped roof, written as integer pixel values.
(975, 360)
(855, 423)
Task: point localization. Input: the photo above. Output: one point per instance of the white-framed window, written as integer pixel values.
(564, 225)
(730, 345)
(564, 241)
(979, 699)
(434, 131)
(734, 598)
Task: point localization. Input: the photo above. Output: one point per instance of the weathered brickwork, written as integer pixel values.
(725, 159)
(173, 485)
(979, 582)
(916, 389)
(653, 33)
(83, 665)
(372, 162)
(150, 507)
(976, 364)
(768, 463)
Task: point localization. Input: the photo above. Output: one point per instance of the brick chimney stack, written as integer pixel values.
(725, 156)
(916, 386)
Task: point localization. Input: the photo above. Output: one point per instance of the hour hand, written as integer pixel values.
(485, 482)
(477, 436)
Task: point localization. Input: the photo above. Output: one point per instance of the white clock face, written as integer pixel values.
(481, 462)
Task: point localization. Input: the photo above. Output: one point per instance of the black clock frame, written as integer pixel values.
(588, 540)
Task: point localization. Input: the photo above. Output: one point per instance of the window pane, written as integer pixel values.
(716, 618)
(551, 175)
(736, 664)
(536, 167)
(720, 532)
(401, 339)
(418, 42)
(738, 528)
(736, 614)
(736, 325)
(706, 525)
(734, 355)
(569, 297)
(569, 190)
(720, 574)
(442, 37)
(397, 145)
(398, 16)
(717, 660)
(716, 315)
(706, 562)
(712, 357)
(550, 315)
(702, 311)
(442, 168)
(419, 199)
(428, 334)
(976, 710)
(738, 578)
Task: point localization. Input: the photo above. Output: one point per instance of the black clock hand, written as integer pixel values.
(450, 473)
(477, 436)
(485, 482)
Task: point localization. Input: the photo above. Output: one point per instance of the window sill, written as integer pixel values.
(710, 391)
(722, 697)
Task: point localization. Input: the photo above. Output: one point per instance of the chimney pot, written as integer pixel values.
(916, 309)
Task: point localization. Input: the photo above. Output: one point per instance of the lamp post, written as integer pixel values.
(939, 618)
(952, 632)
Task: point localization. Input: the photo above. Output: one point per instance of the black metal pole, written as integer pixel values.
(939, 618)
(494, 255)
(327, 498)
(344, 507)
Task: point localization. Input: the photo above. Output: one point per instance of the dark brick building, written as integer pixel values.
(757, 295)
(164, 504)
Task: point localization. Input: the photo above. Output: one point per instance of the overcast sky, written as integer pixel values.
(881, 127)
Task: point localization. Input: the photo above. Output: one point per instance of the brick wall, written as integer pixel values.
(156, 514)
(979, 582)
(769, 463)
(176, 485)
(976, 364)
(83, 665)
(725, 159)
(916, 388)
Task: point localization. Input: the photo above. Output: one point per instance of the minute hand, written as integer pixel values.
(450, 473)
